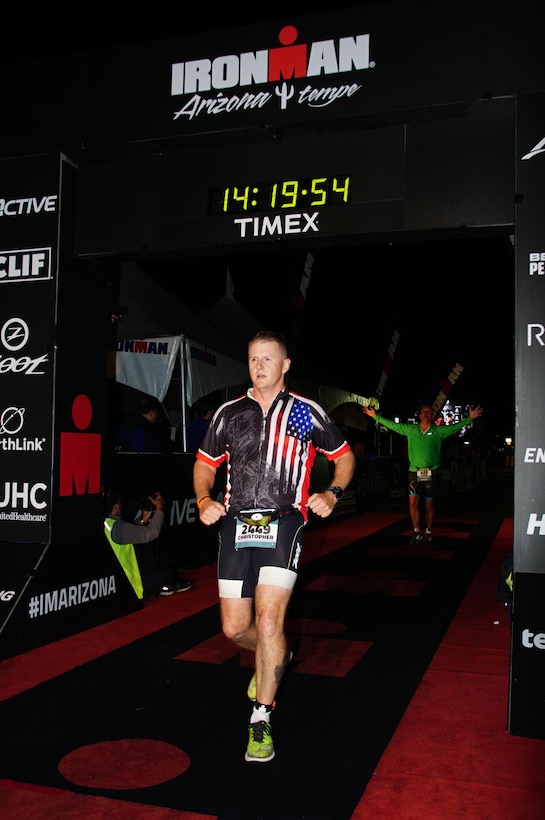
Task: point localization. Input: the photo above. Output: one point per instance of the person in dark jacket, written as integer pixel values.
(146, 430)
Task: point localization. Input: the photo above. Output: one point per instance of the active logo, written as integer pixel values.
(28, 205)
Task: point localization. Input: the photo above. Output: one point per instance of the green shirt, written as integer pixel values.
(424, 449)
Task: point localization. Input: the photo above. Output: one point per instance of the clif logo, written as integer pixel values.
(32, 265)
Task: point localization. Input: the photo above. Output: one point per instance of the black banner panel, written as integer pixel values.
(305, 190)
(29, 208)
(58, 573)
(379, 60)
(527, 695)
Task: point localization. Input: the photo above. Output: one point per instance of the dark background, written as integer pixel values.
(451, 301)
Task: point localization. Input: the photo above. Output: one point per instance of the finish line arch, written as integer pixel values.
(389, 120)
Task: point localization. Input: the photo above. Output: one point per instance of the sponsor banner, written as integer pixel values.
(312, 188)
(376, 60)
(74, 589)
(29, 213)
(527, 683)
(305, 188)
(364, 60)
(529, 537)
(29, 207)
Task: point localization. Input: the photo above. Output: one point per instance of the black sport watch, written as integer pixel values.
(337, 492)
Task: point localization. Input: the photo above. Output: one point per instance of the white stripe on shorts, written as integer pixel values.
(277, 577)
(229, 589)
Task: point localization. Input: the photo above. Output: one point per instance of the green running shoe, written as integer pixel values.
(252, 689)
(260, 743)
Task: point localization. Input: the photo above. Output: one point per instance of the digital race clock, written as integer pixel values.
(287, 194)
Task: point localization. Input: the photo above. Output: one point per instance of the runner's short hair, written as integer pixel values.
(271, 336)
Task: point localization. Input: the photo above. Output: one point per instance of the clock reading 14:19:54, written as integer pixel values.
(287, 194)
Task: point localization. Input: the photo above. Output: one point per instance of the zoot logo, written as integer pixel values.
(14, 335)
(279, 65)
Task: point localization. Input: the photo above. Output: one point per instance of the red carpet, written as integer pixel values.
(451, 756)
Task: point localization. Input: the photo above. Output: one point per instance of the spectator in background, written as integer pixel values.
(146, 430)
(424, 441)
(198, 427)
(134, 545)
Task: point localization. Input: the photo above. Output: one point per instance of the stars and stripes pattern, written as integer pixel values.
(269, 457)
(300, 422)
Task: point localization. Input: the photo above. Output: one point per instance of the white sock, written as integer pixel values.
(261, 712)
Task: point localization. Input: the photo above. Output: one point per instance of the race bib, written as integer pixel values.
(424, 474)
(256, 528)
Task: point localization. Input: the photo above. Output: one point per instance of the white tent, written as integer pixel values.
(151, 310)
(148, 365)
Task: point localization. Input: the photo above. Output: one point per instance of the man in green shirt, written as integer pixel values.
(424, 442)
